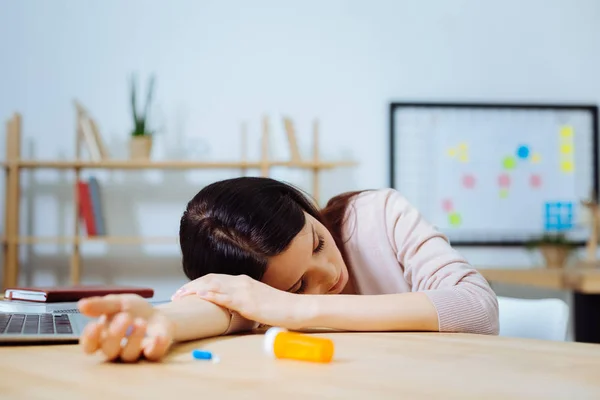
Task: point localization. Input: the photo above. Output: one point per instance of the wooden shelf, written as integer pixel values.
(85, 134)
(126, 164)
(118, 240)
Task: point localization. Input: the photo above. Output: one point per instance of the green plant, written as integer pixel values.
(140, 122)
(551, 239)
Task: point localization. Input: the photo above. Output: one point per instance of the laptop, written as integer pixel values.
(23, 322)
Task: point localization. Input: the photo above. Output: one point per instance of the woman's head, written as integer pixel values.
(262, 228)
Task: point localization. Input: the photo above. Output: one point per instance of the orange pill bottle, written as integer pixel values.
(280, 343)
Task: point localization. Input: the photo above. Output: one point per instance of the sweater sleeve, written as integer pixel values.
(462, 297)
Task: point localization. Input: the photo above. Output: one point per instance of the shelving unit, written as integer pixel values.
(14, 165)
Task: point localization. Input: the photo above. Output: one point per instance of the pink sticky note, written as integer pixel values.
(535, 181)
(468, 181)
(447, 205)
(504, 180)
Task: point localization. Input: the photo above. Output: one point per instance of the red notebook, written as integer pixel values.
(55, 294)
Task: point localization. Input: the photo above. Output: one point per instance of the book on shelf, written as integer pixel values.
(94, 189)
(90, 207)
(89, 140)
(90, 135)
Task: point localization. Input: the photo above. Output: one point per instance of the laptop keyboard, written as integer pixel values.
(33, 324)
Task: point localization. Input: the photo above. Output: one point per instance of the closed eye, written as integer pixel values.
(320, 245)
(319, 239)
(302, 287)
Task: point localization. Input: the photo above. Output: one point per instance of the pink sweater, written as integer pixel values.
(392, 249)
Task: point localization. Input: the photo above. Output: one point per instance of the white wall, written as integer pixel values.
(218, 63)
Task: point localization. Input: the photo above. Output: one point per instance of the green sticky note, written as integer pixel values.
(509, 162)
(454, 219)
(503, 193)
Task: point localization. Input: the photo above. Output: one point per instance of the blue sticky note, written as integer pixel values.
(523, 152)
(559, 216)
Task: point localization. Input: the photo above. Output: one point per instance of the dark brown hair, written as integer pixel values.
(233, 226)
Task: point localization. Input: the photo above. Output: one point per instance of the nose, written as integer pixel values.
(325, 276)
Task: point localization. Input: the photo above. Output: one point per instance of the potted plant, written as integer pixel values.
(555, 248)
(140, 145)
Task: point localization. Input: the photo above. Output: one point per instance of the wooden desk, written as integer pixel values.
(583, 282)
(368, 365)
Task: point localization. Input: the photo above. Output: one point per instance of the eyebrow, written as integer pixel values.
(314, 233)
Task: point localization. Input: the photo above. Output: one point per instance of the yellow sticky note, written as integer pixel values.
(464, 158)
(463, 146)
(536, 158)
(566, 131)
(451, 152)
(567, 166)
(566, 148)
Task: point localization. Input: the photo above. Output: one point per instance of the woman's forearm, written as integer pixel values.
(192, 318)
(390, 312)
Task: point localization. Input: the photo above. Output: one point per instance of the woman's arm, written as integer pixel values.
(388, 312)
(194, 318)
(151, 330)
(259, 302)
(461, 296)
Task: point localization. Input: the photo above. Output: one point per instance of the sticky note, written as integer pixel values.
(447, 205)
(566, 131)
(503, 193)
(523, 152)
(504, 180)
(536, 158)
(535, 181)
(464, 158)
(509, 162)
(468, 181)
(566, 148)
(567, 166)
(451, 152)
(454, 219)
(559, 216)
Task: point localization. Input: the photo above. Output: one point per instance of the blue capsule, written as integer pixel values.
(202, 355)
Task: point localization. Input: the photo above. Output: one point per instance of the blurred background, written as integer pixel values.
(221, 64)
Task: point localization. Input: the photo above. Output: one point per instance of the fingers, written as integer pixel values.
(111, 337)
(132, 350)
(155, 347)
(108, 337)
(97, 306)
(222, 299)
(90, 337)
(200, 286)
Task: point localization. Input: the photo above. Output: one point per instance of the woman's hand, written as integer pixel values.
(150, 333)
(251, 299)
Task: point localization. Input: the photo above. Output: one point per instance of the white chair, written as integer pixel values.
(533, 318)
